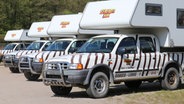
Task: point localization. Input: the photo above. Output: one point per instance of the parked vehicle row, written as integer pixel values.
(109, 43)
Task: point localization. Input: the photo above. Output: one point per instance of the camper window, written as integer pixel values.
(180, 18)
(153, 9)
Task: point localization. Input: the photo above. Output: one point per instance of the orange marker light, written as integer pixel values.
(79, 66)
(41, 60)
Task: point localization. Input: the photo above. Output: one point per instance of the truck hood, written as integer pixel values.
(24, 52)
(3, 52)
(45, 55)
(31, 55)
(12, 53)
(87, 59)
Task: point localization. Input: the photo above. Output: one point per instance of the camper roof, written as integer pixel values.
(18, 35)
(39, 29)
(108, 14)
(68, 26)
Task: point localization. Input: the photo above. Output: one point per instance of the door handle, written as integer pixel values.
(136, 58)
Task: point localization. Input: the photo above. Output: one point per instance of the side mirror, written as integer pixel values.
(121, 51)
(72, 50)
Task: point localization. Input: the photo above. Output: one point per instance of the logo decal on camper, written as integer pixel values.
(40, 29)
(107, 12)
(64, 24)
(13, 35)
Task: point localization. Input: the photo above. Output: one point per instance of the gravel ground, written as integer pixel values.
(15, 89)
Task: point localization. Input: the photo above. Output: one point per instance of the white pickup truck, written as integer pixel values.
(31, 64)
(18, 41)
(148, 46)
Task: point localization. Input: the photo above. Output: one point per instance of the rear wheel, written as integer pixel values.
(59, 90)
(133, 84)
(14, 70)
(171, 79)
(31, 77)
(99, 85)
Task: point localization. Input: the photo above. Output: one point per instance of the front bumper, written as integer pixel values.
(26, 64)
(63, 77)
(11, 62)
(37, 67)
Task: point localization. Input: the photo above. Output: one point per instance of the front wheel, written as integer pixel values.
(31, 77)
(61, 91)
(14, 70)
(99, 85)
(171, 79)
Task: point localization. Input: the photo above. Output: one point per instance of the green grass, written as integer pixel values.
(157, 97)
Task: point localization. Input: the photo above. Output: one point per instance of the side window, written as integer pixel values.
(127, 46)
(180, 18)
(153, 9)
(20, 47)
(76, 45)
(146, 45)
(46, 45)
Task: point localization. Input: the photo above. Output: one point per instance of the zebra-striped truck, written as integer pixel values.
(147, 46)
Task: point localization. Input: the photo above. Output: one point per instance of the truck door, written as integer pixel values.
(129, 57)
(148, 60)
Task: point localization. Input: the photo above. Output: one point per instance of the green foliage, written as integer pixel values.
(18, 14)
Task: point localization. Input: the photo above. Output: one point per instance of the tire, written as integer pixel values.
(14, 70)
(31, 77)
(171, 79)
(61, 91)
(99, 85)
(133, 84)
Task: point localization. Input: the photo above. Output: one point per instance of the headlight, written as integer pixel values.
(39, 60)
(9, 56)
(77, 66)
(17, 56)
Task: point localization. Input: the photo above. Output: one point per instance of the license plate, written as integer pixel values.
(53, 73)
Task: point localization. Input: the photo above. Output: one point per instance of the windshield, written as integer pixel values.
(9, 46)
(35, 46)
(58, 46)
(98, 45)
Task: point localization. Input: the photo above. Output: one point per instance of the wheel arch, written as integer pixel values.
(99, 68)
(171, 64)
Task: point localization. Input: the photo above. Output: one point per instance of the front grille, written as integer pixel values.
(25, 65)
(54, 66)
(24, 59)
(64, 66)
(8, 62)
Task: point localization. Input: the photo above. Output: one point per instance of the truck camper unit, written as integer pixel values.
(161, 18)
(18, 36)
(68, 27)
(37, 30)
(72, 37)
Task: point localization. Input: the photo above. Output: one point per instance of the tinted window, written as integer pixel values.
(35, 46)
(128, 45)
(58, 46)
(9, 46)
(154, 9)
(99, 45)
(146, 45)
(76, 45)
(180, 18)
